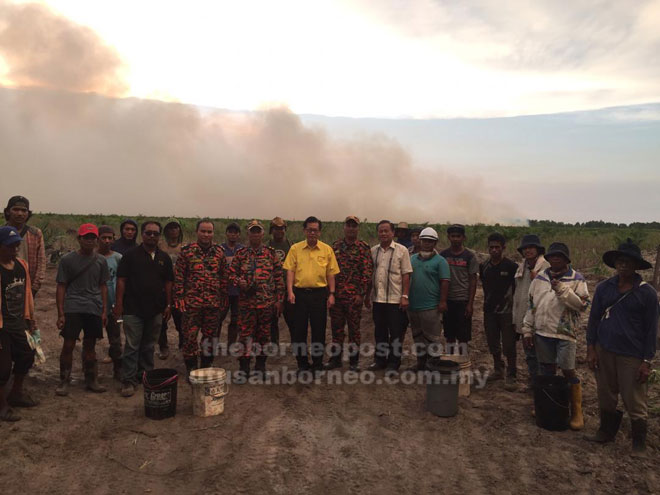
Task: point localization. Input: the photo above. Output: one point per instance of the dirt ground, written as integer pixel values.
(308, 438)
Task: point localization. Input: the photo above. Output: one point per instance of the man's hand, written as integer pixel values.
(32, 325)
(34, 292)
(592, 357)
(331, 300)
(60, 322)
(104, 319)
(404, 303)
(167, 313)
(118, 310)
(643, 372)
(469, 309)
(279, 306)
(358, 300)
(555, 284)
(442, 307)
(292, 298)
(528, 341)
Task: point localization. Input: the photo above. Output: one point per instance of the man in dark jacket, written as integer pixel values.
(128, 240)
(621, 342)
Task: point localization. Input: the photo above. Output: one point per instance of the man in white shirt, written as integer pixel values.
(389, 297)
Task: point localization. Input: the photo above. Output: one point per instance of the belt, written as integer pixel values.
(311, 289)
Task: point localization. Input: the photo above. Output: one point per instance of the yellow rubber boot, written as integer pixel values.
(577, 420)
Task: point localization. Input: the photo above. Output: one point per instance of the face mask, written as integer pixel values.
(426, 254)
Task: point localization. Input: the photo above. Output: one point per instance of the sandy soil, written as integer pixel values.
(307, 438)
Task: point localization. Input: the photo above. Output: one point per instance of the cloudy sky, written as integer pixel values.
(401, 70)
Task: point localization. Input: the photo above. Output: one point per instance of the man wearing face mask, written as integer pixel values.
(621, 343)
(429, 286)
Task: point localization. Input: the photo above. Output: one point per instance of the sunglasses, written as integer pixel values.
(150, 233)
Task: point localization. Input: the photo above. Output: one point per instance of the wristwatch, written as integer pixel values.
(647, 361)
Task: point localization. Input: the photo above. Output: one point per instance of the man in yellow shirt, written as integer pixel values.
(310, 280)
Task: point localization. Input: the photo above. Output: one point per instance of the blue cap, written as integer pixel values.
(9, 235)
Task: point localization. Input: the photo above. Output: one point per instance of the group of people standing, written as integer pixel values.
(112, 283)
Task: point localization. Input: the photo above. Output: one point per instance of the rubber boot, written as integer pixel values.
(65, 380)
(333, 363)
(498, 371)
(638, 429)
(577, 420)
(420, 366)
(91, 377)
(206, 361)
(609, 426)
(260, 367)
(243, 373)
(191, 364)
(354, 362)
(116, 369)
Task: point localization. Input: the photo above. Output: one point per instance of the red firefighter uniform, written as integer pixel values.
(261, 269)
(200, 292)
(355, 270)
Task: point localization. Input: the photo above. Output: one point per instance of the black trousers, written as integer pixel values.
(310, 308)
(289, 315)
(389, 321)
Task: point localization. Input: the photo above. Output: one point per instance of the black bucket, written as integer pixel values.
(552, 402)
(442, 387)
(160, 386)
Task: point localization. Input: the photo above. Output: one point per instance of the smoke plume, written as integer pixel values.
(70, 145)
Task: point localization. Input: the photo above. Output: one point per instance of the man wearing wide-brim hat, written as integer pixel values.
(557, 298)
(621, 342)
(533, 263)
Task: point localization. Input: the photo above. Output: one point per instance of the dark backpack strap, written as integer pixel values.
(82, 271)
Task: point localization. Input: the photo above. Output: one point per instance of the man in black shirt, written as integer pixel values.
(16, 316)
(144, 298)
(497, 276)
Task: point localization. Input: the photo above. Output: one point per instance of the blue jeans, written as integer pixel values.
(140, 335)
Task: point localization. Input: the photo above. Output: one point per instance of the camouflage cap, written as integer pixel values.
(353, 218)
(277, 222)
(255, 223)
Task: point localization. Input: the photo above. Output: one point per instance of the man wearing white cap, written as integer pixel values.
(429, 287)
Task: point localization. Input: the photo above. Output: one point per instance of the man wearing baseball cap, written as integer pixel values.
(557, 298)
(31, 249)
(429, 286)
(281, 245)
(82, 306)
(351, 283)
(16, 316)
(257, 272)
(621, 343)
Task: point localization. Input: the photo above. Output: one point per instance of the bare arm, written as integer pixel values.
(104, 298)
(331, 287)
(472, 292)
(290, 276)
(405, 289)
(59, 299)
(119, 297)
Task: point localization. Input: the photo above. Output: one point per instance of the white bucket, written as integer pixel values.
(464, 372)
(209, 387)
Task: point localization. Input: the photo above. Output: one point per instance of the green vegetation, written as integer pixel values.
(587, 241)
